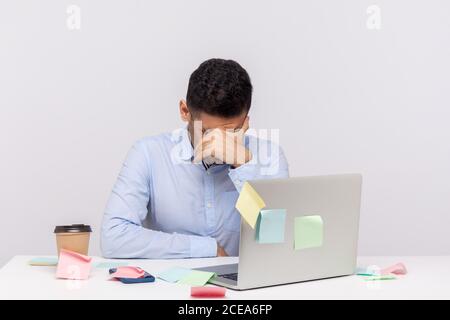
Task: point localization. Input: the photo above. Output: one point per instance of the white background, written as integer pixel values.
(346, 99)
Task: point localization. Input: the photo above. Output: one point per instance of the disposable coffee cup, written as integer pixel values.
(73, 237)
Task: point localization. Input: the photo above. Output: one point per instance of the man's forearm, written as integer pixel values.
(123, 239)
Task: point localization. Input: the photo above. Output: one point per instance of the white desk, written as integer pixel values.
(428, 278)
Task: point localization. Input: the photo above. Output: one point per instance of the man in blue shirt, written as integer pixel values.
(176, 192)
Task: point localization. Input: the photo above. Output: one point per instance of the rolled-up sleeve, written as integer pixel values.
(268, 162)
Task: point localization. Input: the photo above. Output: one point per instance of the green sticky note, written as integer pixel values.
(43, 261)
(197, 278)
(308, 232)
(380, 278)
(110, 264)
(270, 226)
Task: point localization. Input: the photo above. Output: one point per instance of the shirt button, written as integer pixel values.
(209, 205)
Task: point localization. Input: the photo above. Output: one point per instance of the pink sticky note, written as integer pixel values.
(128, 272)
(208, 292)
(73, 265)
(398, 268)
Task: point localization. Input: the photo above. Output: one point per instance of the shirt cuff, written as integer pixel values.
(202, 247)
(239, 175)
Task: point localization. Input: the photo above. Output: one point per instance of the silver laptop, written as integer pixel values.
(336, 198)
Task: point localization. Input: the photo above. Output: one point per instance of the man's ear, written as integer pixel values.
(184, 111)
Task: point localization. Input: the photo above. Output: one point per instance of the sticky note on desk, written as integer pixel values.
(197, 278)
(110, 264)
(380, 278)
(174, 274)
(249, 204)
(398, 268)
(208, 292)
(270, 226)
(128, 272)
(308, 232)
(73, 265)
(41, 261)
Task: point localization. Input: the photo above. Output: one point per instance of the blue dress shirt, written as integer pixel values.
(165, 206)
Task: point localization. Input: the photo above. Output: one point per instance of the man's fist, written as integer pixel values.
(221, 251)
(224, 146)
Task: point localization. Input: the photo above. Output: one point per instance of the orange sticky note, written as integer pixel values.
(73, 265)
(128, 272)
(398, 268)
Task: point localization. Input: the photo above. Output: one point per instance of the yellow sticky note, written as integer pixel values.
(249, 204)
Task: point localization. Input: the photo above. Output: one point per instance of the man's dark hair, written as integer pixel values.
(219, 87)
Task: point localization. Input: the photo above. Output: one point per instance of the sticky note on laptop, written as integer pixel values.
(308, 232)
(270, 226)
(249, 204)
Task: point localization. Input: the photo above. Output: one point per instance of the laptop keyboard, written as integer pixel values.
(231, 276)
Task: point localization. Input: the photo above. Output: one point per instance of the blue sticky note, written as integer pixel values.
(110, 264)
(174, 274)
(364, 272)
(43, 261)
(270, 226)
